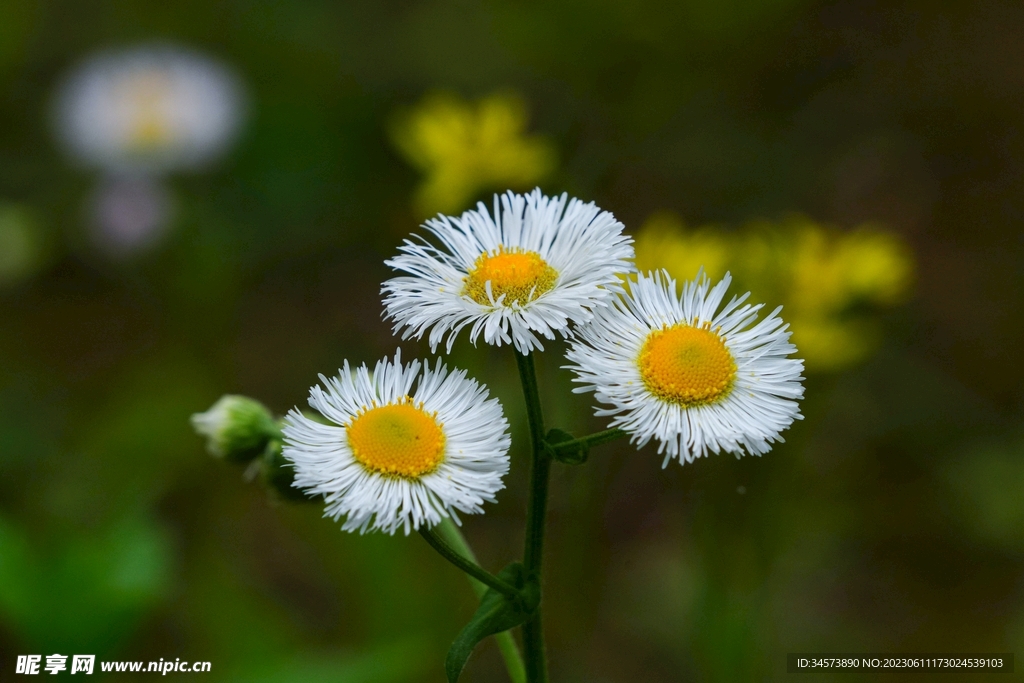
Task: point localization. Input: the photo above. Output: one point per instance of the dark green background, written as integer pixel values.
(891, 520)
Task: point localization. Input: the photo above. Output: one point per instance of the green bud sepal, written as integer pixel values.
(278, 474)
(237, 428)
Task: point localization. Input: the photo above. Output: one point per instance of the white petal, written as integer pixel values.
(761, 404)
(475, 457)
(583, 244)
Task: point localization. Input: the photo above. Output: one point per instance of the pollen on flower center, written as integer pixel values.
(687, 365)
(521, 276)
(399, 440)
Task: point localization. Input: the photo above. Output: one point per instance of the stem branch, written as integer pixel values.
(533, 637)
(595, 439)
(506, 643)
(471, 568)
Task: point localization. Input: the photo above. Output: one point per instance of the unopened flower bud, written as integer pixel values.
(237, 428)
(279, 475)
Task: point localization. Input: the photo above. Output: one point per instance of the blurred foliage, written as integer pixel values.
(390, 663)
(829, 282)
(985, 485)
(463, 148)
(889, 520)
(86, 594)
(23, 244)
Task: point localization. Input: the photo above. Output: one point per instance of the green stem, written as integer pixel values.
(471, 568)
(595, 439)
(506, 643)
(533, 636)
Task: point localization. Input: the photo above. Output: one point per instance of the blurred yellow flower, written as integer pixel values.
(463, 148)
(829, 281)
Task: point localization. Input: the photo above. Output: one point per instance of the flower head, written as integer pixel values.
(831, 281)
(131, 215)
(397, 456)
(155, 108)
(466, 147)
(538, 265)
(689, 372)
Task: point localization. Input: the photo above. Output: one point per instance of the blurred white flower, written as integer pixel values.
(149, 109)
(129, 215)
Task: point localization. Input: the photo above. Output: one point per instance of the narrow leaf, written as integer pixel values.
(496, 613)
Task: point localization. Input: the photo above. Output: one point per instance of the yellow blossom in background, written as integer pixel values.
(464, 148)
(831, 282)
(664, 244)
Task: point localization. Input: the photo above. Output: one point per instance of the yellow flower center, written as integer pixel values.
(520, 275)
(148, 93)
(149, 132)
(397, 440)
(687, 365)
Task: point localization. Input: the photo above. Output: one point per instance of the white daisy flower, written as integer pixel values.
(696, 378)
(149, 109)
(538, 265)
(394, 457)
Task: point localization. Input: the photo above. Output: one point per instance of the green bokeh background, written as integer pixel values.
(892, 519)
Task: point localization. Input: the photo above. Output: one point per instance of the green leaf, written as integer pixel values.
(496, 613)
(569, 455)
